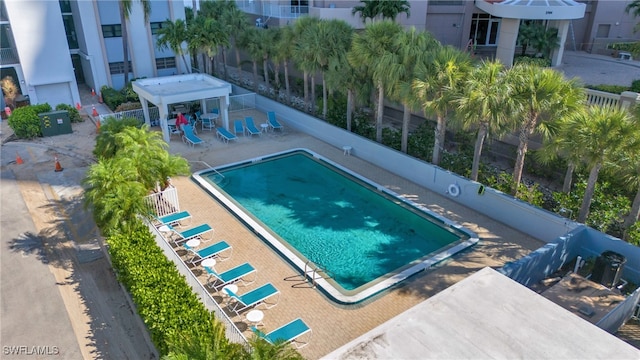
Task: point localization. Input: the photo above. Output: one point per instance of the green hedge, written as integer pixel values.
(24, 121)
(112, 97)
(74, 114)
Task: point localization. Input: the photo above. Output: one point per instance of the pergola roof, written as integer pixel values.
(534, 9)
(179, 88)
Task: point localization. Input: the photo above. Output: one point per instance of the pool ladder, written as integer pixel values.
(309, 268)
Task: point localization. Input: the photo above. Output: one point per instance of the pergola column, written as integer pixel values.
(563, 30)
(145, 111)
(507, 40)
(163, 110)
(224, 110)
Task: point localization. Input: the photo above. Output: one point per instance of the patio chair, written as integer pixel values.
(175, 219)
(209, 252)
(225, 135)
(253, 298)
(192, 233)
(237, 274)
(207, 123)
(238, 127)
(251, 127)
(189, 136)
(286, 333)
(273, 122)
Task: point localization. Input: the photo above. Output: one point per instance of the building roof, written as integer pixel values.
(487, 315)
(534, 9)
(179, 88)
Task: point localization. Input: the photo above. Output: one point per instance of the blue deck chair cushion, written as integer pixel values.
(208, 252)
(225, 134)
(231, 275)
(286, 333)
(191, 233)
(175, 218)
(273, 122)
(251, 126)
(238, 128)
(254, 297)
(189, 136)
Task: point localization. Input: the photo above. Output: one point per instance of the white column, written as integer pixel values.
(224, 110)
(145, 110)
(507, 40)
(563, 30)
(164, 110)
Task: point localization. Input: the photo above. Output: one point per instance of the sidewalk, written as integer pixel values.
(596, 69)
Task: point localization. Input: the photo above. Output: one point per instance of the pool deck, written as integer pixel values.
(333, 325)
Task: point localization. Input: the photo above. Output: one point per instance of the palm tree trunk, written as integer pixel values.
(439, 139)
(406, 120)
(477, 151)
(125, 43)
(255, 76)
(379, 112)
(186, 65)
(276, 76)
(312, 101)
(588, 193)
(238, 64)
(324, 97)
(350, 105)
(265, 70)
(224, 63)
(568, 178)
(523, 146)
(633, 214)
(305, 83)
(286, 80)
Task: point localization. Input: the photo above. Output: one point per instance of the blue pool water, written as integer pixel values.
(352, 230)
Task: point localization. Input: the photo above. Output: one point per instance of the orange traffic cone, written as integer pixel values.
(93, 92)
(98, 126)
(78, 106)
(94, 112)
(58, 167)
(100, 98)
(19, 159)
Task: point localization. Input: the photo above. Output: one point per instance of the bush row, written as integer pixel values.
(25, 122)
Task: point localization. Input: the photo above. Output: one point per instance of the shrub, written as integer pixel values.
(112, 97)
(128, 93)
(24, 121)
(614, 89)
(74, 114)
(528, 60)
(128, 106)
(635, 86)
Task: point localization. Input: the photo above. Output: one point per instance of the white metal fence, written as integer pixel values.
(595, 97)
(242, 102)
(164, 202)
(154, 115)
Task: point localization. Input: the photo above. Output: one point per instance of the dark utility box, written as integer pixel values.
(55, 123)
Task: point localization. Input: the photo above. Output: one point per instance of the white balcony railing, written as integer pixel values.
(595, 97)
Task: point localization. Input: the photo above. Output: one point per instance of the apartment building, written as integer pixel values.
(49, 47)
(490, 26)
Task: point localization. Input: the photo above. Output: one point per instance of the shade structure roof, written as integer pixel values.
(179, 88)
(486, 316)
(534, 9)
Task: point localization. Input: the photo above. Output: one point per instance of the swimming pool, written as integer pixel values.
(318, 214)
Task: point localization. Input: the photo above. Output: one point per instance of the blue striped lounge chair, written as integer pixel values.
(225, 135)
(251, 126)
(209, 252)
(192, 233)
(253, 298)
(272, 121)
(238, 127)
(189, 136)
(236, 274)
(288, 333)
(175, 219)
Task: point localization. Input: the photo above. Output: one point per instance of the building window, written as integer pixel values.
(109, 31)
(70, 30)
(166, 63)
(118, 67)
(65, 6)
(155, 26)
(484, 30)
(603, 30)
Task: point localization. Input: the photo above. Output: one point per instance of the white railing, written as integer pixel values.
(601, 98)
(242, 102)
(154, 115)
(284, 11)
(164, 202)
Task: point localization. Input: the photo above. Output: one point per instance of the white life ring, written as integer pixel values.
(453, 190)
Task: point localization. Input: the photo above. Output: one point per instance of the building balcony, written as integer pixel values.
(269, 10)
(8, 56)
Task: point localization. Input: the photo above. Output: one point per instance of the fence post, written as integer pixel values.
(629, 99)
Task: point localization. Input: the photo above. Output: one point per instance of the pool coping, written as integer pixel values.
(382, 283)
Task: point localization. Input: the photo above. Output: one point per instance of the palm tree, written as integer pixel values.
(250, 41)
(601, 132)
(437, 84)
(284, 53)
(207, 35)
(414, 48)
(390, 9)
(171, 36)
(634, 8)
(485, 105)
(236, 22)
(125, 12)
(627, 164)
(304, 56)
(371, 49)
(368, 10)
(350, 80)
(542, 96)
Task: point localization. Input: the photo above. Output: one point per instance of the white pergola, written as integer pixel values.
(162, 91)
(560, 12)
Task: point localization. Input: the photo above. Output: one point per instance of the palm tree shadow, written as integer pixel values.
(30, 244)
